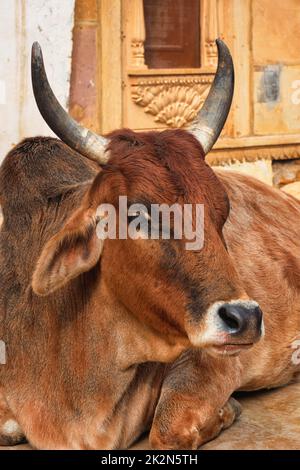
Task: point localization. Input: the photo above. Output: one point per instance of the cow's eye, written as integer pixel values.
(56, 199)
(131, 218)
(141, 216)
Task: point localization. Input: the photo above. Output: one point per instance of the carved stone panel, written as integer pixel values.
(173, 101)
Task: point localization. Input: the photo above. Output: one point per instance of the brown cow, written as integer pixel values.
(108, 339)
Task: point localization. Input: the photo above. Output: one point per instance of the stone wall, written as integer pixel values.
(260, 169)
(287, 176)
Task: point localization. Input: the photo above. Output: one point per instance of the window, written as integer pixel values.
(172, 33)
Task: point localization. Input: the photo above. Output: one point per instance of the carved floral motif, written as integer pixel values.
(138, 34)
(172, 101)
(211, 32)
(211, 53)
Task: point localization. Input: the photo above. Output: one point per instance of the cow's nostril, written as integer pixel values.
(230, 318)
(241, 319)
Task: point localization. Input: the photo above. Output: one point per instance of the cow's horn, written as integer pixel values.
(211, 118)
(77, 137)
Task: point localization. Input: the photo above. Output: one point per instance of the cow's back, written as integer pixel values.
(262, 235)
(40, 185)
(42, 181)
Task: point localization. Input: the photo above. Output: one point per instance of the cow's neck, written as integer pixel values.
(101, 360)
(136, 342)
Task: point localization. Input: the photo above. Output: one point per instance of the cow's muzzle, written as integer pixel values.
(230, 327)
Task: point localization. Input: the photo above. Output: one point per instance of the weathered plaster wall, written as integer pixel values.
(21, 23)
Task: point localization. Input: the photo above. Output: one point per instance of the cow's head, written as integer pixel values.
(195, 294)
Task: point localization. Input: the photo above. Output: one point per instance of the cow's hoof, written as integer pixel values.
(191, 430)
(229, 413)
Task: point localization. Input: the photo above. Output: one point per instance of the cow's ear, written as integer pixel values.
(72, 251)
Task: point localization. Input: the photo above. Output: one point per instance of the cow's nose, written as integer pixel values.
(239, 319)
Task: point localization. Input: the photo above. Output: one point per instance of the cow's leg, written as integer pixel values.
(10, 431)
(195, 403)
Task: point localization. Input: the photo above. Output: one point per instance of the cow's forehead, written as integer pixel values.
(160, 165)
(165, 148)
